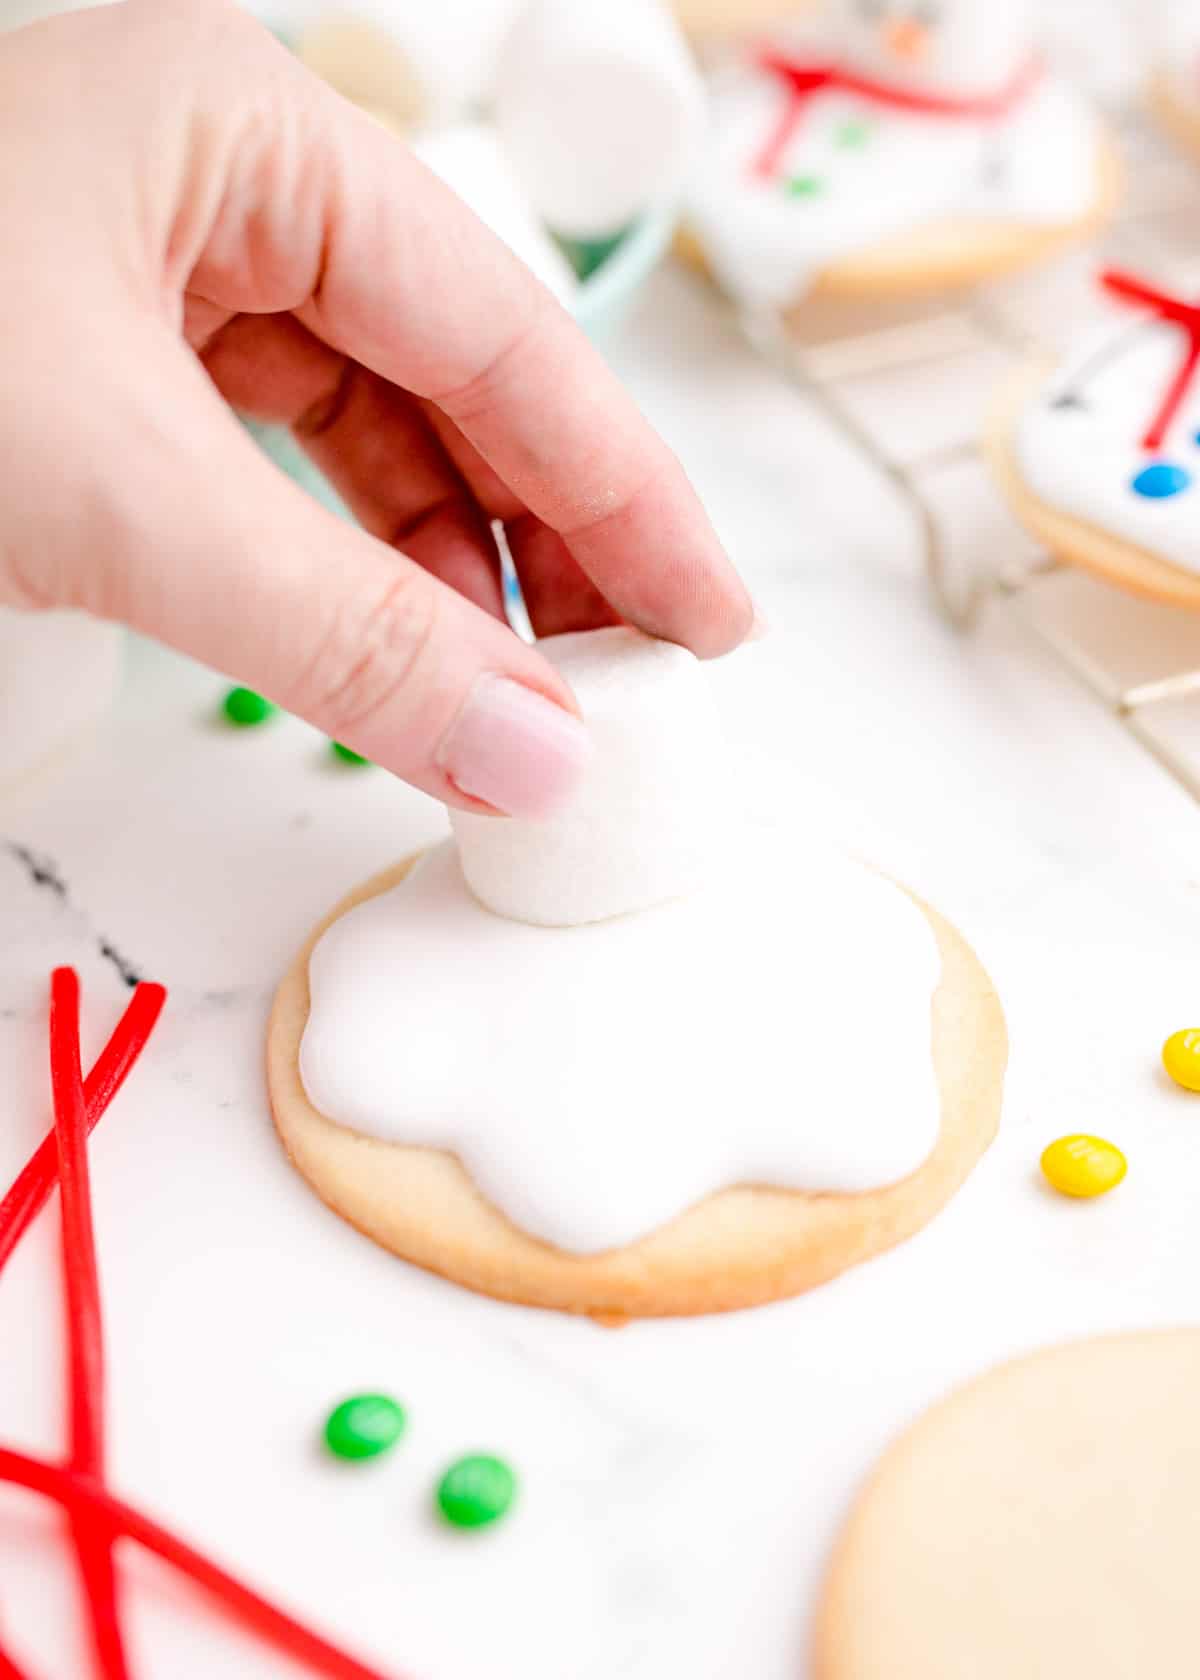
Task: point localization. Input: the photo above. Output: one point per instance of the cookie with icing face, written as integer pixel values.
(616, 1064)
(1100, 458)
(1043, 1521)
(923, 145)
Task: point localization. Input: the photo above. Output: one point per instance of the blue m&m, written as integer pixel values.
(1160, 480)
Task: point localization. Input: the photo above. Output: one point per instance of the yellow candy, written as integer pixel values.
(1181, 1058)
(1083, 1166)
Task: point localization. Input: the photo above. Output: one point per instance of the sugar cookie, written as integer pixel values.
(1100, 459)
(913, 153)
(735, 1248)
(1044, 1521)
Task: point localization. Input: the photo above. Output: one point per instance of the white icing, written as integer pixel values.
(468, 157)
(964, 47)
(1036, 165)
(597, 1081)
(644, 825)
(58, 672)
(599, 108)
(1081, 459)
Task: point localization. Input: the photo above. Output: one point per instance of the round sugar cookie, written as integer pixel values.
(959, 252)
(1044, 1522)
(1113, 536)
(739, 1248)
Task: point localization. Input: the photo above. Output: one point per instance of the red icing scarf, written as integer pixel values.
(1167, 308)
(804, 80)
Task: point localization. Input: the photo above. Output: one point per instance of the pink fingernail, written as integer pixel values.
(514, 749)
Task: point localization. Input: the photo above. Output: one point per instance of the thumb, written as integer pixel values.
(228, 561)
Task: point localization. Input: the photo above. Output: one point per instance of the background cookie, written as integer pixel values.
(737, 1249)
(1042, 1522)
(1073, 540)
(957, 253)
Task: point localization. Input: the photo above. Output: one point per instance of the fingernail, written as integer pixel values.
(514, 749)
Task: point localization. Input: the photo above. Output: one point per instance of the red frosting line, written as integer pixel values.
(84, 1323)
(1182, 314)
(805, 79)
(97, 1518)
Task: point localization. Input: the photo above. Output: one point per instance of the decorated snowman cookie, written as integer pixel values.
(922, 143)
(631, 1061)
(1101, 461)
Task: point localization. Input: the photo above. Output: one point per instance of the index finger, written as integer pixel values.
(389, 266)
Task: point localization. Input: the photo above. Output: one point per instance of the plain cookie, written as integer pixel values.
(1041, 1523)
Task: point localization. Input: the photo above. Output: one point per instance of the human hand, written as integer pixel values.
(192, 217)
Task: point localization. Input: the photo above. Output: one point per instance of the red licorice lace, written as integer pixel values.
(97, 1518)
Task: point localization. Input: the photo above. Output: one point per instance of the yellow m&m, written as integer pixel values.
(1181, 1058)
(1083, 1166)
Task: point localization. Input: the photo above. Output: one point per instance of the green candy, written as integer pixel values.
(476, 1491)
(245, 708)
(364, 1426)
(852, 133)
(347, 754)
(805, 186)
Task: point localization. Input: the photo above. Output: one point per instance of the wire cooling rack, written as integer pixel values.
(1138, 659)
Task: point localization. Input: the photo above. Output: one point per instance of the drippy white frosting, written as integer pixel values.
(1078, 444)
(597, 1081)
(1037, 165)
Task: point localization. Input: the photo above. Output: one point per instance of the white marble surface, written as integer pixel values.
(682, 1481)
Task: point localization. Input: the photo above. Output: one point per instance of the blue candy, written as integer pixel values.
(1161, 479)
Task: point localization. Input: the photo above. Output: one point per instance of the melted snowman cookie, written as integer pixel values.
(925, 145)
(1102, 460)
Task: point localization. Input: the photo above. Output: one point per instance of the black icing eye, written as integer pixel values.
(1066, 401)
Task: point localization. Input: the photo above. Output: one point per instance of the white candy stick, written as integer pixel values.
(599, 106)
(646, 825)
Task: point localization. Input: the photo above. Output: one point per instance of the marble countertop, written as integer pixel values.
(682, 1482)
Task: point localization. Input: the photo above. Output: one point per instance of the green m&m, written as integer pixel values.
(364, 1426)
(476, 1491)
(245, 708)
(347, 754)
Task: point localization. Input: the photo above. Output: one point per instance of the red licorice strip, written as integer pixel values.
(1182, 314)
(9, 1669)
(73, 1491)
(84, 1323)
(32, 1188)
(803, 80)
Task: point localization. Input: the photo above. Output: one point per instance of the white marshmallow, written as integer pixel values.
(599, 107)
(645, 826)
(469, 158)
(58, 672)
